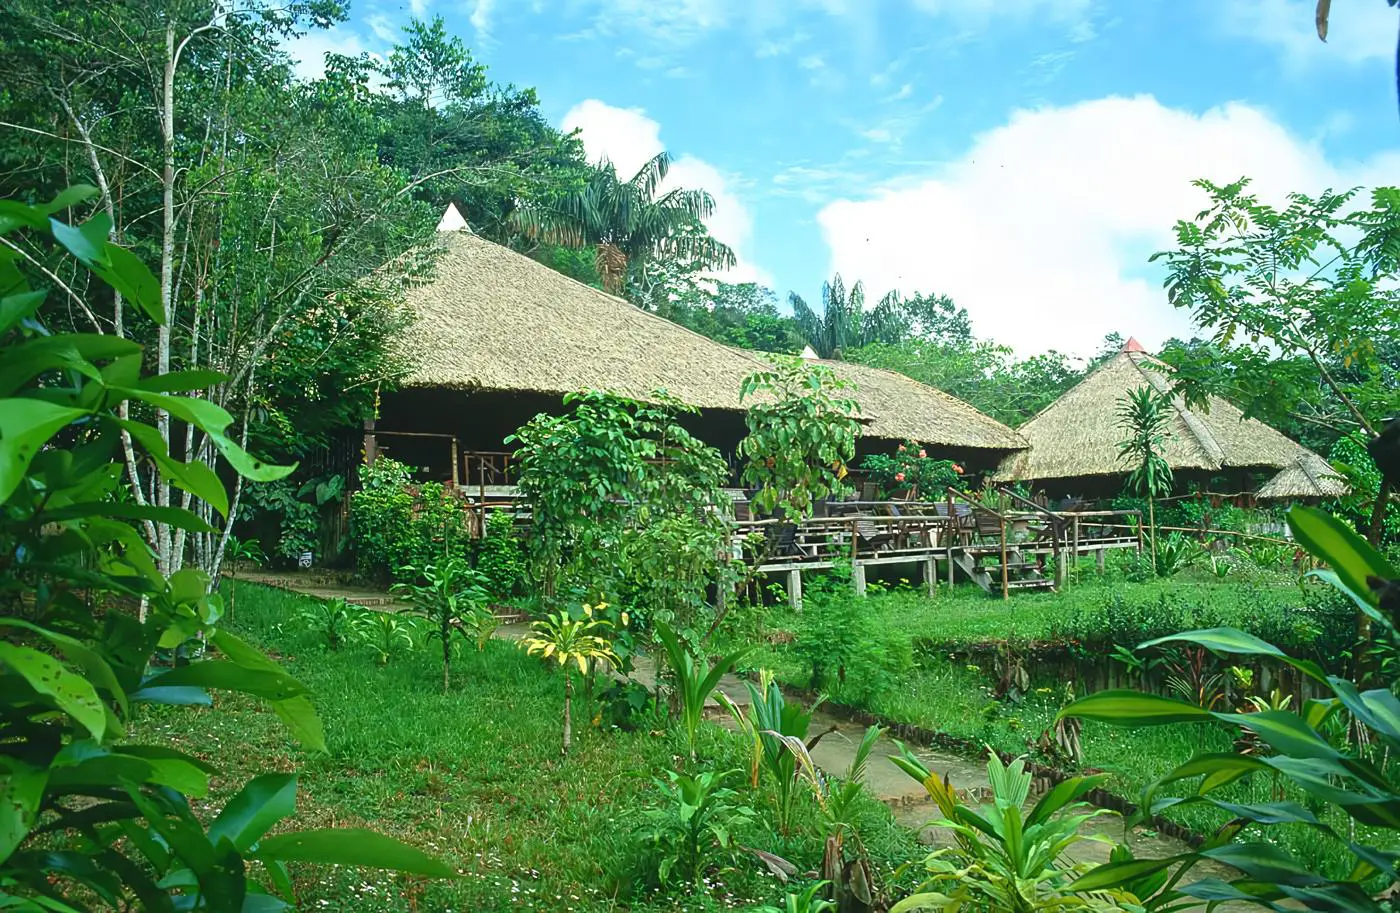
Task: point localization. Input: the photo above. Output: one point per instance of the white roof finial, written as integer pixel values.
(452, 220)
(809, 354)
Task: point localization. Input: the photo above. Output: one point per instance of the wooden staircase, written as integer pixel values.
(1023, 571)
(994, 559)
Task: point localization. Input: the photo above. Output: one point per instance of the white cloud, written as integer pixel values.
(812, 62)
(628, 138)
(983, 11)
(419, 8)
(308, 51)
(384, 28)
(481, 19)
(1043, 228)
(1358, 33)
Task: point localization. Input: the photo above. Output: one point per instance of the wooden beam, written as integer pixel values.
(371, 445)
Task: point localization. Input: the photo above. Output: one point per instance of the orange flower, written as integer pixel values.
(923, 454)
(958, 469)
(899, 477)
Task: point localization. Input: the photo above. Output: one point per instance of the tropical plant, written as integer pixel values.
(802, 434)
(911, 469)
(1175, 554)
(1003, 858)
(386, 633)
(582, 642)
(808, 900)
(694, 828)
(1352, 779)
(1145, 414)
(845, 862)
(89, 819)
(626, 222)
(398, 527)
(773, 721)
(844, 323)
(451, 593)
(695, 680)
(329, 619)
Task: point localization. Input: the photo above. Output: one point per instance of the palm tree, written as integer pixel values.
(1144, 413)
(844, 323)
(626, 223)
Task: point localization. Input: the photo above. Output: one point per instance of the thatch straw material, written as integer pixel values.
(1078, 434)
(493, 319)
(1310, 476)
(900, 408)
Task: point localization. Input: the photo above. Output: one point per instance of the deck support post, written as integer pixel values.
(1099, 558)
(794, 589)
(931, 575)
(858, 578)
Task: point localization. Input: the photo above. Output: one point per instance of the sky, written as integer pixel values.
(1024, 157)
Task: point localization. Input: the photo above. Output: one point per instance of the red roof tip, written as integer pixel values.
(1132, 345)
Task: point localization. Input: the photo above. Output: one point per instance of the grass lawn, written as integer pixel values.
(476, 776)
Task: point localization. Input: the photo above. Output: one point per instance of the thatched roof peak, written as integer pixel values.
(1078, 434)
(1310, 476)
(1132, 345)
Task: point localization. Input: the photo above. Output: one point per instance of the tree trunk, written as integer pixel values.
(568, 722)
(164, 539)
(446, 658)
(1152, 533)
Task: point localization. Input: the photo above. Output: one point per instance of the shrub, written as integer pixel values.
(838, 639)
(500, 558)
(910, 469)
(395, 528)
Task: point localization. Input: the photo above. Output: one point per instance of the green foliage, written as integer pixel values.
(694, 830)
(500, 558)
(773, 720)
(623, 498)
(330, 619)
(695, 680)
(1145, 415)
(1176, 553)
(626, 223)
(1361, 473)
(910, 469)
(397, 527)
(838, 641)
(90, 817)
(1005, 858)
(386, 633)
(452, 593)
(1298, 303)
(297, 509)
(1353, 777)
(802, 435)
(583, 642)
(806, 901)
(744, 315)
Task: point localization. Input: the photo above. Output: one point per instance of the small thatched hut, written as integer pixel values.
(499, 337)
(1074, 441)
(1310, 478)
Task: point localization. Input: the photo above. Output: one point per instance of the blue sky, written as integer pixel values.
(1023, 156)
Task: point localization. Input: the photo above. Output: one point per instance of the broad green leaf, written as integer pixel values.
(1062, 794)
(181, 381)
(1232, 640)
(171, 516)
(1350, 556)
(128, 275)
(1363, 601)
(297, 713)
(87, 242)
(26, 425)
(68, 198)
(1285, 732)
(79, 653)
(1215, 770)
(16, 307)
(274, 685)
(21, 792)
(195, 477)
(71, 693)
(1122, 707)
(1264, 862)
(261, 803)
(352, 847)
(1117, 874)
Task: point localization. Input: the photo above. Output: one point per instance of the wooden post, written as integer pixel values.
(1005, 582)
(371, 445)
(931, 575)
(858, 578)
(795, 589)
(456, 477)
(1076, 550)
(1099, 558)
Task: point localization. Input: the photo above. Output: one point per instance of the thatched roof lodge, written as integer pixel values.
(1074, 441)
(499, 337)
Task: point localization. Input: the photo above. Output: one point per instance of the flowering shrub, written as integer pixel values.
(912, 470)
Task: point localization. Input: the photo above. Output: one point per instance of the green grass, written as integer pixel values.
(938, 689)
(474, 776)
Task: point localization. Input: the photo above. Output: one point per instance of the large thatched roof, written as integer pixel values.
(900, 408)
(1310, 476)
(493, 319)
(1077, 435)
